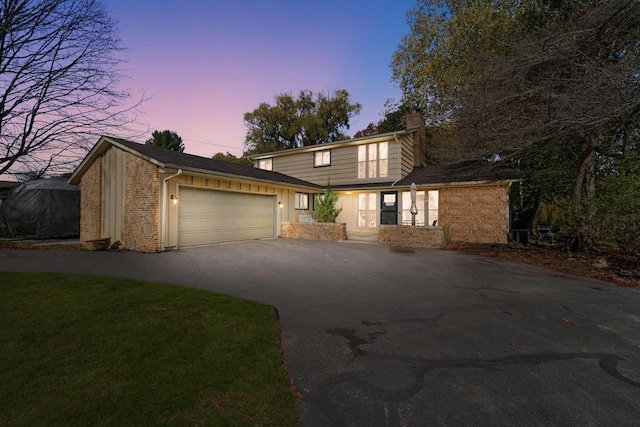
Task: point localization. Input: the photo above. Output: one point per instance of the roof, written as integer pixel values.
(363, 185)
(328, 145)
(473, 171)
(169, 159)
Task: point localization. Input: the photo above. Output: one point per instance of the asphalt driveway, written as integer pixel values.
(377, 336)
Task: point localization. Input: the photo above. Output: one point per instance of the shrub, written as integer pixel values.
(614, 215)
(326, 210)
(618, 210)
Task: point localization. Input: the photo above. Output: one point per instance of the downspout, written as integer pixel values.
(395, 135)
(164, 226)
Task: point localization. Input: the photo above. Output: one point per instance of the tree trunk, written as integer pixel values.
(585, 172)
(584, 190)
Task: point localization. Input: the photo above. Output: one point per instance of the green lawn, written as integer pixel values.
(85, 350)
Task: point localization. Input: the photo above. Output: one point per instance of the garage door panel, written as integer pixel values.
(209, 216)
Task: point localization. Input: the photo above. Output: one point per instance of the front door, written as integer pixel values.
(389, 207)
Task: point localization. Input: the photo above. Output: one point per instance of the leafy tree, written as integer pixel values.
(551, 84)
(228, 157)
(326, 210)
(371, 129)
(573, 83)
(59, 74)
(296, 122)
(438, 58)
(618, 210)
(166, 139)
(393, 120)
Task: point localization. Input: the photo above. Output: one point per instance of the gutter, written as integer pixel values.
(164, 225)
(224, 175)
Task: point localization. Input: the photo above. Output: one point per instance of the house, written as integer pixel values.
(152, 199)
(468, 201)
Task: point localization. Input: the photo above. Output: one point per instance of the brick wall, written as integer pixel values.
(314, 231)
(477, 214)
(91, 202)
(412, 237)
(142, 205)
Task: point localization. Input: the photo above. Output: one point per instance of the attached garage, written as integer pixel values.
(212, 216)
(151, 199)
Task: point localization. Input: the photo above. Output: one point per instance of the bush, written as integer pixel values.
(573, 223)
(618, 210)
(614, 215)
(326, 210)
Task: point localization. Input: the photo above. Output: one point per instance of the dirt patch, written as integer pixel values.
(43, 244)
(619, 266)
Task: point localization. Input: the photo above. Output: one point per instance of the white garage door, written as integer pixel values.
(208, 216)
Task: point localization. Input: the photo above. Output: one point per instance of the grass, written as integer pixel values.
(85, 350)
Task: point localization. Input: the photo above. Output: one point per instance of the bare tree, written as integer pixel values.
(575, 83)
(59, 82)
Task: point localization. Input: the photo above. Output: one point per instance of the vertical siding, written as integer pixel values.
(113, 194)
(169, 235)
(349, 213)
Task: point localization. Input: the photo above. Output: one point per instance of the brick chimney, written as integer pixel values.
(415, 123)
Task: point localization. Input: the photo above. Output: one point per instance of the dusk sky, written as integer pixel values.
(206, 63)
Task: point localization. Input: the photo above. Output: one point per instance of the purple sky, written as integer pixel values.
(206, 63)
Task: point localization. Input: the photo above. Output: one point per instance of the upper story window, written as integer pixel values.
(266, 164)
(373, 160)
(322, 158)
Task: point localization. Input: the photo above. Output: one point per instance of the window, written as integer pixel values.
(302, 201)
(316, 199)
(406, 207)
(266, 164)
(373, 160)
(433, 206)
(367, 210)
(362, 161)
(427, 207)
(322, 158)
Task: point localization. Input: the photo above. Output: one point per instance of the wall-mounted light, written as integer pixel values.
(174, 199)
(280, 205)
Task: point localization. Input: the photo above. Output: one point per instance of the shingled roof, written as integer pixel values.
(474, 171)
(169, 159)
